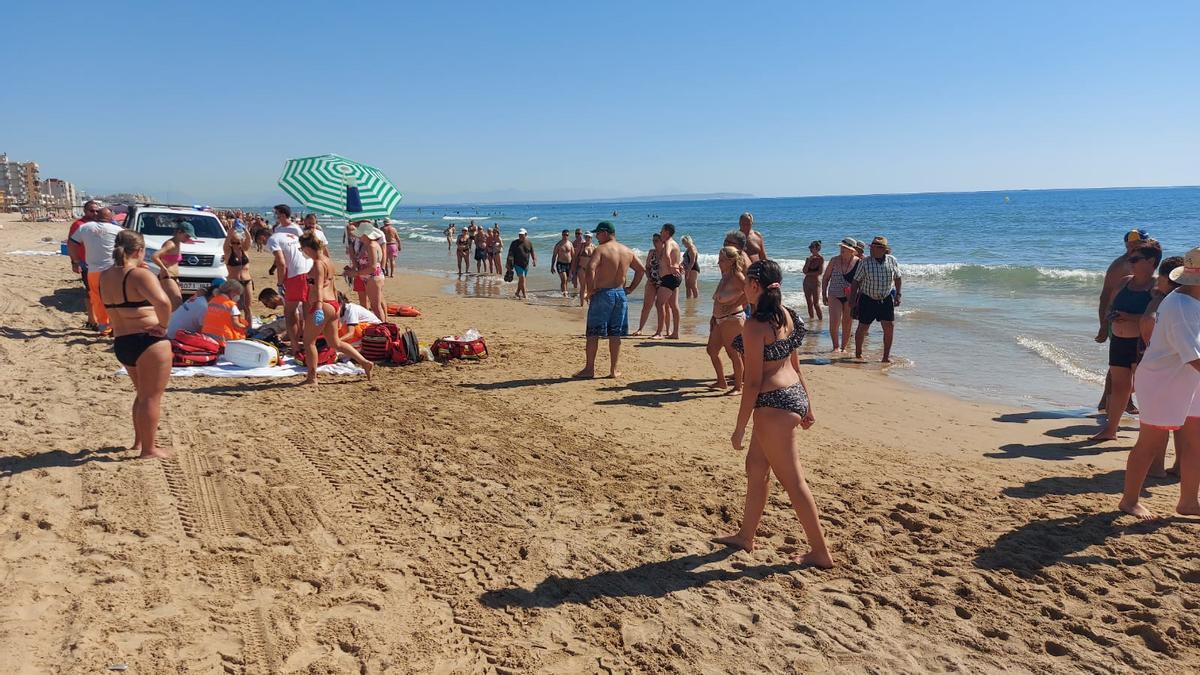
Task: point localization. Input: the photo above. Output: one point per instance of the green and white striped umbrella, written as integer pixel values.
(326, 184)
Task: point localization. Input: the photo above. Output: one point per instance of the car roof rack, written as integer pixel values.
(189, 207)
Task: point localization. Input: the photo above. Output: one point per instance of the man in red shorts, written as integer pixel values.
(291, 268)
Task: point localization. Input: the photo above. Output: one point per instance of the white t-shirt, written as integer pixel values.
(287, 240)
(321, 236)
(189, 316)
(1168, 388)
(355, 314)
(98, 240)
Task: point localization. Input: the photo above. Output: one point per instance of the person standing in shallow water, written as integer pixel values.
(813, 266)
(756, 249)
(775, 393)
(876, 286)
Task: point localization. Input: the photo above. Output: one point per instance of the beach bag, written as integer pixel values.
(471, 347)
(380, 340)
(194, 349)
(405, 351)
(325, 354)
(251, 354)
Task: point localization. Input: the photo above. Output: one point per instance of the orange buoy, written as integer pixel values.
(396, 309)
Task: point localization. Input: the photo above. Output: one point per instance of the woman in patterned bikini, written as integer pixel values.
(774, 392)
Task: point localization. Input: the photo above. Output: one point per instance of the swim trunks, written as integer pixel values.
(608, 314)
(670, 281)
(1122, 352)
(871, 310)
(480, 255)
(295, 289)
(562, 267)
(393, 251)
(521, 271)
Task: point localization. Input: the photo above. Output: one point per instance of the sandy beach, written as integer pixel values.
(498, 516)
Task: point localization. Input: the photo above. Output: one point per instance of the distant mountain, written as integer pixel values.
(692, 197)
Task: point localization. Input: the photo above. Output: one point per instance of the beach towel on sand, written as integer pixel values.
(287, 368)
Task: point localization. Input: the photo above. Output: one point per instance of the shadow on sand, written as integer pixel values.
(10, 466)
(516, 384)
(1039, 544)
(1109, 483)
(651, 580)
(657, 393)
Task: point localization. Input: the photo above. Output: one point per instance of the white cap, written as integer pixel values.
(522, 231)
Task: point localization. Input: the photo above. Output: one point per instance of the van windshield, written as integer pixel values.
(165, 224)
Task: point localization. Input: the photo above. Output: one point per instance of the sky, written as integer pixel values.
(520, 101)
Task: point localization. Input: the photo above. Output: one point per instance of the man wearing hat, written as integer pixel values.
(876, 284)
(1168, 386)
(608, 316)
(520, 253)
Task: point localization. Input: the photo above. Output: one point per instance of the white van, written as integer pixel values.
(203, 260)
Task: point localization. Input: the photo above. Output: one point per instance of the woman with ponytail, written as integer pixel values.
(140, 310)
(774, 392)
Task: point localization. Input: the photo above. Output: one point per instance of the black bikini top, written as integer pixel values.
(783, 347)
(237, 261)
(131, 304)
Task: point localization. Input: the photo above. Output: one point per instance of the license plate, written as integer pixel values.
(193, 285)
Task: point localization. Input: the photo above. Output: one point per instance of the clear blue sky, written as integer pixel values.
(206, 100)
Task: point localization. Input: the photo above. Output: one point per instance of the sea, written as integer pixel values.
(1000, 288)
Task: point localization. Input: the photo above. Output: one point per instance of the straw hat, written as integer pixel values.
(1189, 273)
(367, 229)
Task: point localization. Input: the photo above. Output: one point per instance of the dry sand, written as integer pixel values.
(499, 516)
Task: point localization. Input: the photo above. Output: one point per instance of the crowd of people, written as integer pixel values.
(1149, 313)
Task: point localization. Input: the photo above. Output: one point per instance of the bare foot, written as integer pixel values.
(584, 374)
(1190, 508)
(369, 367)
(656, 336)
(1104, 435)
(1136, 510)
(735, 541)
(309, 380)
(614, 374)
(823, 561)
(733, 390)
(636, 333)
(673, 337)
(885, 359)
(720, 384)
(1131, 409)
(155, 453)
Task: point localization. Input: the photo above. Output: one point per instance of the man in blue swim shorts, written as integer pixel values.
(520, 252)
(607, 312)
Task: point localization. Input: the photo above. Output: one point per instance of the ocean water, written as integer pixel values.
(1000, 288)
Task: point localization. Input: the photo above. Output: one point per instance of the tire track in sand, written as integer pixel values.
(205, 514)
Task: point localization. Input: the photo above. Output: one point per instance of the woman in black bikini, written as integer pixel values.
(813, 266)
(237, 260)
(140, 311)
(691, 267)
(775, 393)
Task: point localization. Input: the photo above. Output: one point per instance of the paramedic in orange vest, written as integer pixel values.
(223, 320)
